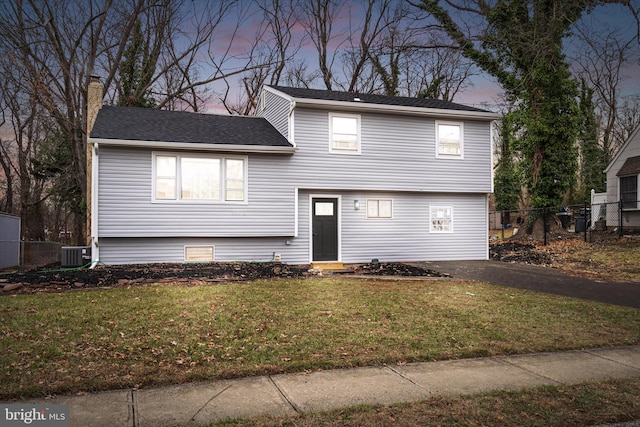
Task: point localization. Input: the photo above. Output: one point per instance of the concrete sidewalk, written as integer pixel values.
(206, 402)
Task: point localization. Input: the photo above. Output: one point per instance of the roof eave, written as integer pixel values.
(396, 109)
(385, 108)
(194, 146)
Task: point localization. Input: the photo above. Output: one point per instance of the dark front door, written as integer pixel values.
(325, 229)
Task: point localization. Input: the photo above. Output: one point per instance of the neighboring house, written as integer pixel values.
(316, 176)
(623, 181)
(9, 240)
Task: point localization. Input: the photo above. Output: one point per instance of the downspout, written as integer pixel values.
(95, 247)
(291, 136)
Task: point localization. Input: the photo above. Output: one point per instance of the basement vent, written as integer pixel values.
(198, 253)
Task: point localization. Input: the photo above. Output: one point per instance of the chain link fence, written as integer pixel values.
(586, 221)
(27, 255)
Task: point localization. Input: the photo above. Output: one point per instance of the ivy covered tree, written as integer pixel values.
(507, 182)
(136, 71)
(519, 42)
(593, 158)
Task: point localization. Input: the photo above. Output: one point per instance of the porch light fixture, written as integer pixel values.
(356, 205)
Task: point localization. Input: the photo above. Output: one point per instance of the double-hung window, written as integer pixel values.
(441, 219)
(191, 177)
(449, 140)
(344, 133)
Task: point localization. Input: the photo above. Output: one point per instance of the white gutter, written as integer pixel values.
(195, 146)
(398, 109)
(292, 122)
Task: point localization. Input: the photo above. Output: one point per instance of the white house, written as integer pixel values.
(315, 176)
(623, 180)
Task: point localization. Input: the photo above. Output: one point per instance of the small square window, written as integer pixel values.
(441, 219)
(449, 140)
(379, 208)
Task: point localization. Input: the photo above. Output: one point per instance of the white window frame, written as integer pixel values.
(433, 210)
(178, 178)
(377, 202)
(334, 150)
(637, 201)
(444, 155)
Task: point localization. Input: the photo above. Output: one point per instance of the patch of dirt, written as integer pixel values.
(127, 275)
(516, 251)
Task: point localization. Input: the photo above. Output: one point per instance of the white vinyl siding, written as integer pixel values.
(449, 140)
(405, 238)
(192, 177)
(344, 133)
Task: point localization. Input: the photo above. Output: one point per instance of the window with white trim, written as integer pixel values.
(379, 208)
(344, 133)
(202, 178)
(441, 219)
(629, 191)
(449, 140)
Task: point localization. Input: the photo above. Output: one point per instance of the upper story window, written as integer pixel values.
(629, 191)
(199, 178)
(344, 133)
(449, 140)
(441, 219)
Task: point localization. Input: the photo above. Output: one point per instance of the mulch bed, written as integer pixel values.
(396, 269)
(57, 280)
(526, 253)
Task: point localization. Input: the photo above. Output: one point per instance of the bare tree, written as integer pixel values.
(601, 62)
(59, 44)
(272, 51)
(28, 122)
(436, 71)
(318, 18)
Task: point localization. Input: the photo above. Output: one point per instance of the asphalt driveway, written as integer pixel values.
(541, 279)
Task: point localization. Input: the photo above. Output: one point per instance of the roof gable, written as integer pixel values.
(351, 97)
(142, 124)
(634, 137)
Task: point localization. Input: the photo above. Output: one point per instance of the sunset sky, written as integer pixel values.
(485, 92)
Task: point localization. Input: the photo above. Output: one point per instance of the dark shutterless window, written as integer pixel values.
(629, 192)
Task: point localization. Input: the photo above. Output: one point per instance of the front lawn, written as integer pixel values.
(159, 334)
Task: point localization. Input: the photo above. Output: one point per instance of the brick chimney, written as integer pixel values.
(94, 102)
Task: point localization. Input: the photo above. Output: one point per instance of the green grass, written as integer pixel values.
(570, 405)
(161, 334)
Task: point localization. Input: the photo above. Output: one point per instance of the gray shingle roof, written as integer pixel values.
(631, 166)
(331, 95)
(142, 124)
